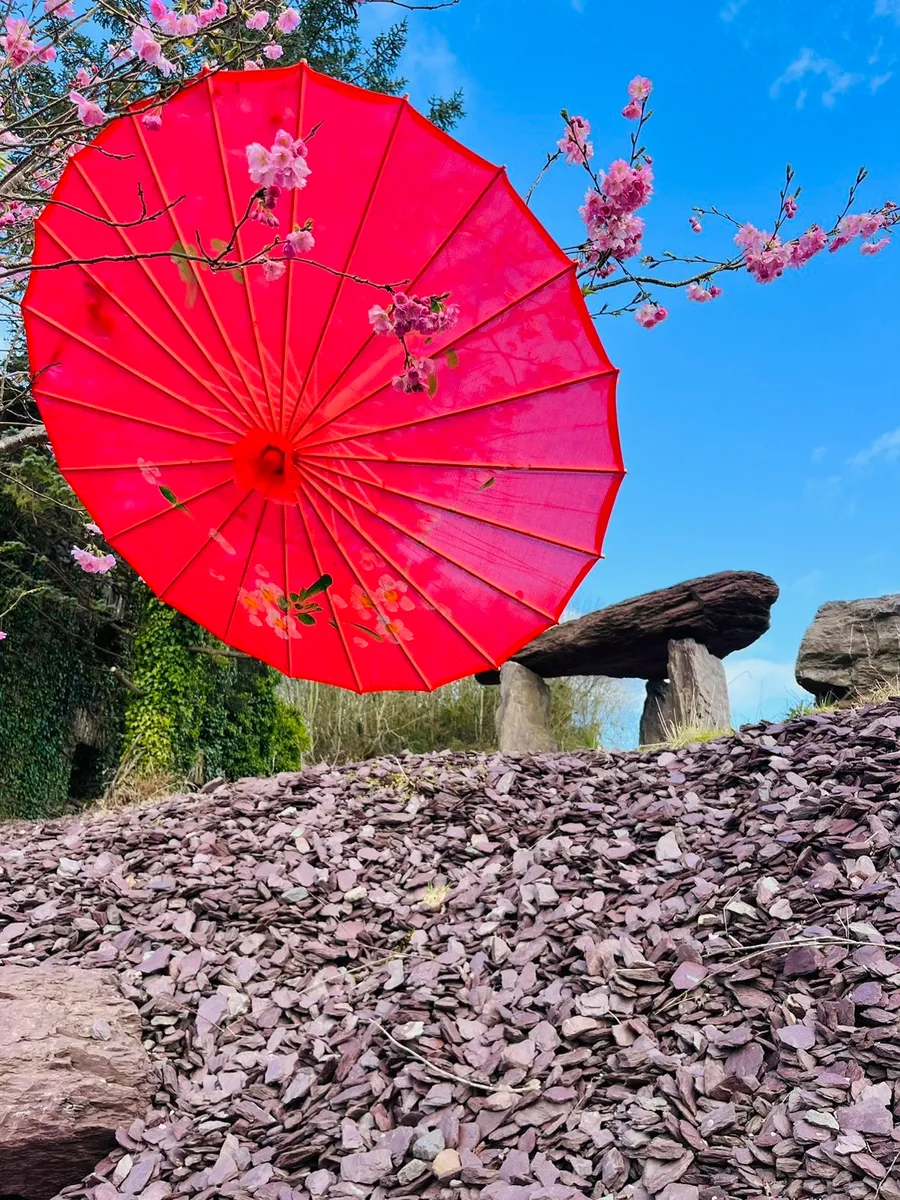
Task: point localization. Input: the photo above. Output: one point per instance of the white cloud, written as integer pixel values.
(732, 8)
(809, 63)
(819, 453)
(888, 8)
(886, 448)
(430, 66)
(759, 688)
(878, 81)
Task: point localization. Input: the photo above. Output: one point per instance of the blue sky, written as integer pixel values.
(761, 432)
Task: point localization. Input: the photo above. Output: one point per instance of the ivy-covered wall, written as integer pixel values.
(202, 714)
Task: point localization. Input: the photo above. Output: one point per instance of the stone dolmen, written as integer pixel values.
(674, 638)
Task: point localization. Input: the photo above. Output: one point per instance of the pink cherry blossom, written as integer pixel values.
(152, 120)
(216, 12)
(574, 143)
(273, 268)
(273, 50)
(301, 241)
(874, 247)
(632, 110)
(287, 21)
(92, 528)
(748, 237)
(627, 188)
(284, 165)
(19, 45)
(695, 224)
(701, 294)
(610, 231)
(148, 49)
(258, 19)
(93, 564)
(8, 138)
(790, 207)
(59, 8)
(640, 88)
(808, 245)
(768, 261)
(650, 314)
(83, 77)
(251, 65)
(426, 315)
(855, 225)
(3, 636)
(89, 113)
(380, 320)
(416, 376)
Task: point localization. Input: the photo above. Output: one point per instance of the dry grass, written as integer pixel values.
(132, 786)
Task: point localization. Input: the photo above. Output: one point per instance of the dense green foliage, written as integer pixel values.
(63, 637)
(201, 715)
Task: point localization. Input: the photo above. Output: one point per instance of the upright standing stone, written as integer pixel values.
(523, 716)
(72, 1070)
(656, 719)
(698, 689)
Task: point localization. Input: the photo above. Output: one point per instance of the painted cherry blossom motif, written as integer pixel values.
(363, 603)
(370, 561)
(149, 472)
(284, 625)
(395, 631)
(254, 605)
(282, 612)
(391, 594)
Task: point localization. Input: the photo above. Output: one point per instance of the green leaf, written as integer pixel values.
(305, 618)
(432, 384)
(185, 272)
(296, 598)
(333, 623)
(376, 637)
(323, 582)
(283, 604)
(488, 483)
(452, 359)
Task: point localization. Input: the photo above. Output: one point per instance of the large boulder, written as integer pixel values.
(724, 613)
(851, 648)
(72, 1070)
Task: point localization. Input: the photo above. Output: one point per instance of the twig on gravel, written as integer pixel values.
(531, 1088)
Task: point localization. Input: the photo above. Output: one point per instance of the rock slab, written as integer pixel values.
(723, 612)
(851, 648)
(523, 715)
(72, 1070)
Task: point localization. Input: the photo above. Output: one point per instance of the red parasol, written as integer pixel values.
(236, 432)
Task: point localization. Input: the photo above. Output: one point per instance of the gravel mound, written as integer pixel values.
(670, 975)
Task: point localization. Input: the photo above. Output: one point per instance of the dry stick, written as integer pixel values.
(764, 948)
(528, 1090)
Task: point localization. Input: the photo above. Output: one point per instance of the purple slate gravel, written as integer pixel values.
(669, 975)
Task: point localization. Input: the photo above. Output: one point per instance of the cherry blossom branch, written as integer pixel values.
(615, 233)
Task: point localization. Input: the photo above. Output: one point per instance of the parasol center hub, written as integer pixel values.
(266, 461)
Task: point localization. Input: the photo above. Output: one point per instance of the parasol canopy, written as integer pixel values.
(229, 415)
